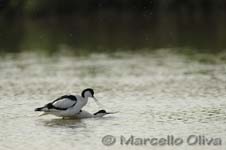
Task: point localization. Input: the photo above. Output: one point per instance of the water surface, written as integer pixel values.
(157, 94)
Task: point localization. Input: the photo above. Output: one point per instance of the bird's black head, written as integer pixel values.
(100, 112)
(88, 92)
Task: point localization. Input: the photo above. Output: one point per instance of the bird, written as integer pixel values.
(68, 105)
(85, 114)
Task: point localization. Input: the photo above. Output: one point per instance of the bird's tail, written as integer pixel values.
(41, 109)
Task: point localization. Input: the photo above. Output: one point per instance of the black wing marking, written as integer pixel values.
(63, 102)
(71, 97)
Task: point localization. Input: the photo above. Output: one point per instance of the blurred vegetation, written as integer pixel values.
(57, 7)
(51, 25)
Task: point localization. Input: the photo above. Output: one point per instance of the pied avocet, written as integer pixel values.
(85, 114)
(68, 105)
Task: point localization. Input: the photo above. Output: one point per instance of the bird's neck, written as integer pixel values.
(85, 100)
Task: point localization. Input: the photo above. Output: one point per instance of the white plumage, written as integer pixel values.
(68, 105)
(85, 114)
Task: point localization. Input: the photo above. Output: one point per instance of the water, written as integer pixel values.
(157, 94)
